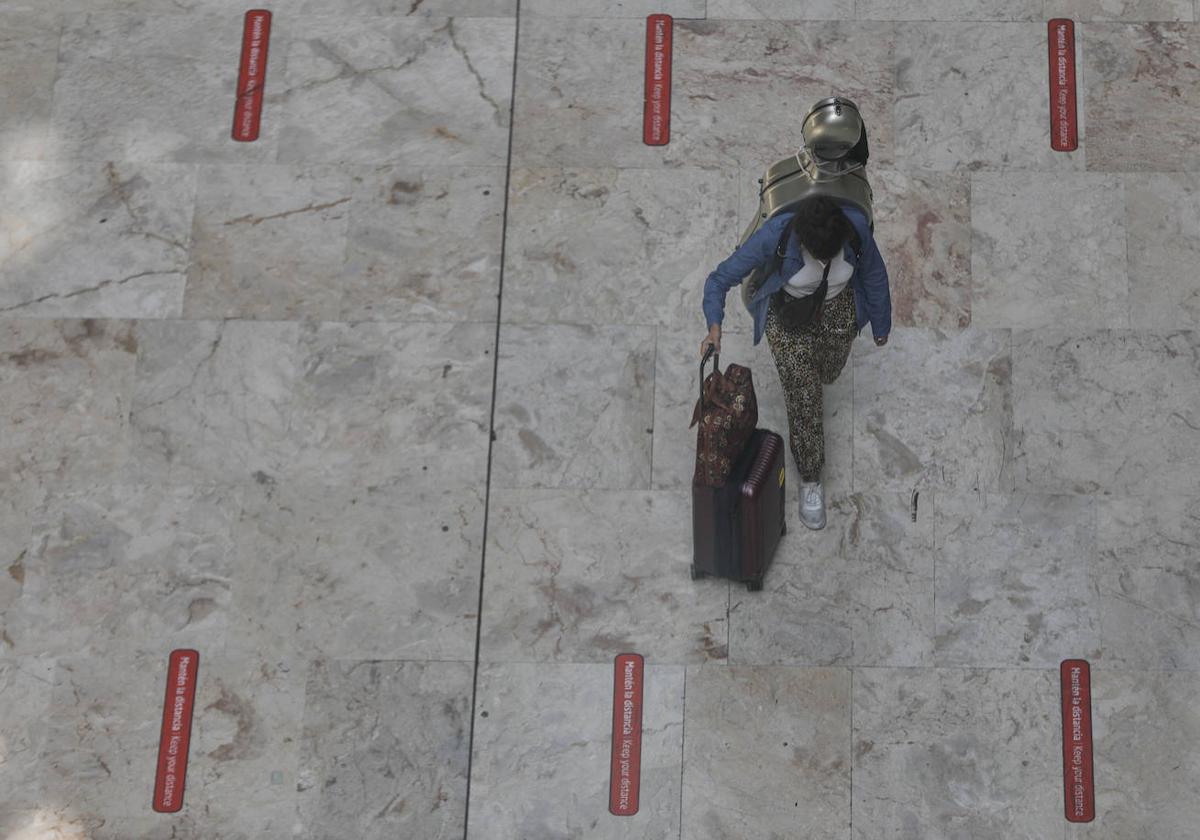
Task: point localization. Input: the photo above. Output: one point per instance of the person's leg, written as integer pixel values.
(835, 335)
(797, 366)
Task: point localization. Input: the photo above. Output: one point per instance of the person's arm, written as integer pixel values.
(876, 291)
(754, 254)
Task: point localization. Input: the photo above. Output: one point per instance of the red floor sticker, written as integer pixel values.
(656, 119)
(252, 75)
(176, 731)
(625, 780)
(1064, 136)
(1077, 740)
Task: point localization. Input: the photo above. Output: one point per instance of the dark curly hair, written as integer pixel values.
(822, 227)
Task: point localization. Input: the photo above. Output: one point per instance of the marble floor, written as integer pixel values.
(386, 415)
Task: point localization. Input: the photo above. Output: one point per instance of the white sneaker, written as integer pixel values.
(812, 505)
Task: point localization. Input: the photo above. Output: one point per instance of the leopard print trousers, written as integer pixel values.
(807, 359)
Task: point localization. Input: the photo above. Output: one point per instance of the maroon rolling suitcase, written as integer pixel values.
(737, 527)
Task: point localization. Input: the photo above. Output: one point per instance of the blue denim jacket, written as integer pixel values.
(872, 299)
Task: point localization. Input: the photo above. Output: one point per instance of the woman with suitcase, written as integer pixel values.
(822, 280)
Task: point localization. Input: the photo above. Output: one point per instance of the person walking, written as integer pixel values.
(830, 270)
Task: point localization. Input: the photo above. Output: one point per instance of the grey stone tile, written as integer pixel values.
(1148, 577)
(542, 753)
(677, 387)
(1014, 580)
(29, 45)
(117, 98)
(95, 241)
(103, 731)
(781, 9)
(923, 230)
(977, 114)
(612, 8)
(1162, 211)
(222, 403)
(25, 684)
(580, 576)
(615, 246)
(227, 8)
(759, 738)
(1147, 67)
(574, 407)
(1113, 411)
(424, 244)
(1146, 726)
(18, 505)
(728, 79)
(951, 753)
(268, 242)
(409, 8)
(950, 10)
(402, 404)
(1049, 250)
(213, 401)
(67, 387)
(127, 563)
(859, 592)
(384, 749)
(933, 409)
(386, 573)
(1125, 10)
(357, 90)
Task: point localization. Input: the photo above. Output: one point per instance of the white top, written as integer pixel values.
(805, 281)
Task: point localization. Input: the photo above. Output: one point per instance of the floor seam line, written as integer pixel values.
(487, 499)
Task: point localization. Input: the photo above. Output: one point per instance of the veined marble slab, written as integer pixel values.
(424, 244)
(574, 407)
(757, 739)
(859, 592)
(25, 685)
(949, 10)
(964, 94)
(269, 242)
(615, 246)
(677, 387)
(94, 241)
(128, 563)
(1127, 10)
(923, 231)
(103, 731)
(67, 388)
(739, 90)
(387, 573)
(613, 8)
(1147, 68)
(543, 735)
(1146, 725)
(336, 404)
(933, 409)
(358, 90)
(950, 753)
(28, 62)
(1049, 250)
(1015, 580)
(145, 87)
(410, 8)
(1147, 573)
(1161, 216)
(781, 9)
(1113, 411)
(580, 576)
(384, 749)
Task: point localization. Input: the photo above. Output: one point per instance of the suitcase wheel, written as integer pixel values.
(697, 574)
(754, 585)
